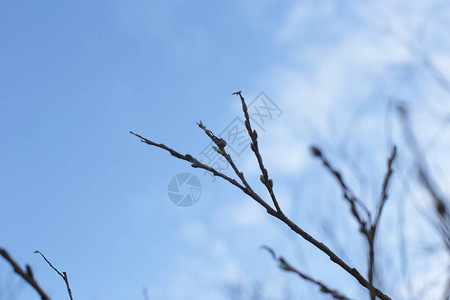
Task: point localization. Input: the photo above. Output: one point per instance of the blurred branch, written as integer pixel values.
(347, 193)
(283, 264)
(424, 59)
(368, 227)
(63, 274)
(26, 275)
(440, 204)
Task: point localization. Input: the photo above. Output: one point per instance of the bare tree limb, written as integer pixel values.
(26, 275)
(277, 213)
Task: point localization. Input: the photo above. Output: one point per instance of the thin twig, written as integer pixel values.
(384, 190)
(222, 151)
(63, 274)
(371, 233)
(196, 164)
(441, 207)
(26, 275)
(255, 148)
(346, 191)
(283, 264)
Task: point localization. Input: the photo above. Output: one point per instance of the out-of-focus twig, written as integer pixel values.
(283, 264)
(368, 226)
(348, 195)
(423, 58)
(440, 203)
(26, 275)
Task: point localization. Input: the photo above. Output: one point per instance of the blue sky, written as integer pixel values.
(74, 184)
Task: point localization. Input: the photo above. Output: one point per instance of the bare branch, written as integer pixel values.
(268, 183)
(63, 274)
(26, 275)
(196, 164)
(347, 193)
(384, 190)
(283, 264)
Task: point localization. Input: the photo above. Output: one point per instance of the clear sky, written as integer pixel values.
(77, 76)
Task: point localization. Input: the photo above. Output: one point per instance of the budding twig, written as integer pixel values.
(254, 146)
(277, 212)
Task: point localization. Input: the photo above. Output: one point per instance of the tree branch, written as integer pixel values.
(283, 264)
(277, 213)
(63, 274)
(26, 275)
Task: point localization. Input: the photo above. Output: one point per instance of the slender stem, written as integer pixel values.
(63, 274)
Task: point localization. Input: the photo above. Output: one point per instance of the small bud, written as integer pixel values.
(262, 179)
(29, 271)
(440, 207)
(282, 265)
(252, 146)
(255, 134)
(217, 150)
(315, 151)
(221, 143)
(271, 183)
(189, 157)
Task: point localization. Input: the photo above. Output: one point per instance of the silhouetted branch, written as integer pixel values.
(63, 274)
(26, 275)
(255, 148)
(277, 212)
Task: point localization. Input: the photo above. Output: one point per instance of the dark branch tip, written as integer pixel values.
(316, 151)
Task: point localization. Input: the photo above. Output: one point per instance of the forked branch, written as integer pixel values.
(245, 187)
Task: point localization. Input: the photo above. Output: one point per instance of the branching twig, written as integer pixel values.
(283, 264)
(196, 164)
(277, 213)
(368, 227)
(63, 274)
(26, 275)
